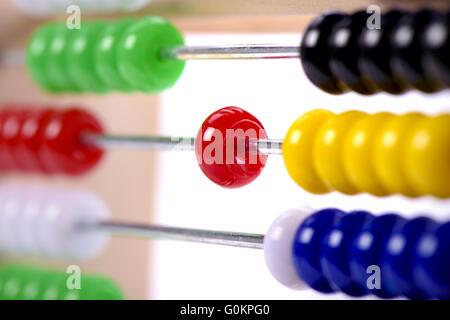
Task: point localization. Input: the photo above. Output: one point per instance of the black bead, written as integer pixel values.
(408, 55)
(376, 54)
(436, 43)
(315, 52)
(345, 53)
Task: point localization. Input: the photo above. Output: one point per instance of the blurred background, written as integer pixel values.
(168, 187)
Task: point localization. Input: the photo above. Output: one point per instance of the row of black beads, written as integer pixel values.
(343, 52)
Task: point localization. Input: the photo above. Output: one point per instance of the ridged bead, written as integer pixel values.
(103, 56)
(381, 153)
(345, 53)
(315, 52)
(47, 141)
(341, 53)
(18, 282)
(44, 222)
(376, 54)
(386, 255)
(223, 149)
(407, 43)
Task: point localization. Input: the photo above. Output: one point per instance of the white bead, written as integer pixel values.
(83, 207)
(26, 230)
(35, 8)
(44, 222)
(11, 202)
(278, 247)
(42, 8)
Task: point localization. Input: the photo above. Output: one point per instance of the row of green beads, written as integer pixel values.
(28, 283)
(105, 56)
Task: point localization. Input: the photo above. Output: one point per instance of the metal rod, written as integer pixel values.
(263, 146)
(140, 142)
(233, 239)
(254, 51)
(230, 52)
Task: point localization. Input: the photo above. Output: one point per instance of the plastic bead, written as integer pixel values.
(389, 144)
(48, 141)
(408, 60)
(399, 253)
(427, 156)
(56, 66)
(104, 56)
(335, 255)
(431, 263)
(340, 53)
(436, 39)
(380, 154)
(80, 57)
(367, 249)
(315, 52)
(43, 223)
(223, 150)
(386, 255)
(19, 282)
(328, 145)
(376, 54)
(297, 150)
(138, 55)
(306, 249)
(357, 153)
(37, 53)
(345, 52)
(278, 247)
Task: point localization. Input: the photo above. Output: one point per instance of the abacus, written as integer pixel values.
(383, 156)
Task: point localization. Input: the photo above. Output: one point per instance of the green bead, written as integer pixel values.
(56, 66)
(106, 58)
(138, 55)
(28, 283)
(98, 287)
(36, 55)
(80, 56)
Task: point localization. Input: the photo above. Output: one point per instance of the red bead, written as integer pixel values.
(8, 129)
(62, 149)
(30, 139)
(223, 147)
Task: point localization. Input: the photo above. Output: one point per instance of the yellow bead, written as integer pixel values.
(389, 153)
(328, 153)
(298, 150)
(358, 153)
(427, 156)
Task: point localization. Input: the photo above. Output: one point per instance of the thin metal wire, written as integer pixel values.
(263, 146)
(253, 51)
(233, 239)
(140, 142)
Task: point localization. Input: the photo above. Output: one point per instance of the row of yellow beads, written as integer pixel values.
(381, 153)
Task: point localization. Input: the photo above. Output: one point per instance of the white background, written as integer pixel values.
(276, 92)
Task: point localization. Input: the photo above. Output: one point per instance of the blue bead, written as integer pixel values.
(335, 251)
(431, 265)
(397, 260)
(367, 249)
(307, 244)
